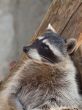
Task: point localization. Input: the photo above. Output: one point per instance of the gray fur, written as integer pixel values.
(49, 85)
(39, 85)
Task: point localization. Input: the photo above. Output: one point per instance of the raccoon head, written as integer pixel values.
(50, 47)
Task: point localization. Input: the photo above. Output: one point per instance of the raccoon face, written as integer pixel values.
(49, 48)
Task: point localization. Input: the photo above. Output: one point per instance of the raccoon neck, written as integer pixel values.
(70, 89)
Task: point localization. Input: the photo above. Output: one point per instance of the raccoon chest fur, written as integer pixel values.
(44, 83)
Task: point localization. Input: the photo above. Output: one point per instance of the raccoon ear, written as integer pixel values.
(71, 45)
(51, 28)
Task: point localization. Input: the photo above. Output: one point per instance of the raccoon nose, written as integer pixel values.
(25, 49)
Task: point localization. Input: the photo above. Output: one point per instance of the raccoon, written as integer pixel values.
(47, 80)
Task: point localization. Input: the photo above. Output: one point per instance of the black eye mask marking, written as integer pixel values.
(47, 54)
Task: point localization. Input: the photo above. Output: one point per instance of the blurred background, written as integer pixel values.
(19, 19)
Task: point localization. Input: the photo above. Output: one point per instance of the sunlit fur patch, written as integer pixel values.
(51, 28)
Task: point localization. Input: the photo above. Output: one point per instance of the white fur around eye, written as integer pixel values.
(33, 53)
(53, 48)
(40, 38)
(45, 41)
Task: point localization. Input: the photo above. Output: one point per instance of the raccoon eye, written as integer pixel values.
(43, 46)
(46, 47)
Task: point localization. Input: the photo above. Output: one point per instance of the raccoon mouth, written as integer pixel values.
(46, 59)
(43, 58)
